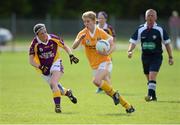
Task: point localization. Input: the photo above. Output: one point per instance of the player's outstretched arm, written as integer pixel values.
(67, 49)
(72, 58)
(78, 41)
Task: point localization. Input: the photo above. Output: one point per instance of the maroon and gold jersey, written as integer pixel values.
(46, 53)
(109, 29)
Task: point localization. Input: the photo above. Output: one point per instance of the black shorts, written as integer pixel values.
(151, 63)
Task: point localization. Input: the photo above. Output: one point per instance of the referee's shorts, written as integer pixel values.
(151, 63)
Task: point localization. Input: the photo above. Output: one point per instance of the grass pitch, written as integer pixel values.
(26, 98)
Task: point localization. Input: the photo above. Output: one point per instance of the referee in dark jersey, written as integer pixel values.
(151, 37)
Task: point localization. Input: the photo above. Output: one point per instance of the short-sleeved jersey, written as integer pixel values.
(46, 53)
(89, 42)
(151, 39)
(109, 29)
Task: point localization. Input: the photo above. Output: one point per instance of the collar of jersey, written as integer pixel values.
(145, 25)
(39, 41)
(92, 34)
(105, 26)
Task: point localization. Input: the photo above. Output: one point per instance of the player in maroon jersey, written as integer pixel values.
(44, 54)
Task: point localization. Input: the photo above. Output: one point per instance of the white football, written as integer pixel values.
(102, 45)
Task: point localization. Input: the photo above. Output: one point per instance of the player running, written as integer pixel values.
(44, 55)
(100, 62)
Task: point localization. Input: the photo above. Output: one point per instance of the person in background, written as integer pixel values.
(174, 25)
(102, 18)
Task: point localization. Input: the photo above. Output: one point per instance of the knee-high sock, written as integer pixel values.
(107, 88)
(57, 97)
(152, 88)
(124, 103)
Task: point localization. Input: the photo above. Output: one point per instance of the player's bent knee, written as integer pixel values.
(97, 82)
(53, 84)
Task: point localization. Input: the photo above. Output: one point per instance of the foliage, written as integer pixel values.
(74, 8)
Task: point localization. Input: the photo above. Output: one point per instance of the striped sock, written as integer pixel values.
(152, 88)
(124, 103)
(107, 88)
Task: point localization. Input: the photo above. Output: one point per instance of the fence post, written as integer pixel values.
(48, 22)
(13, 30)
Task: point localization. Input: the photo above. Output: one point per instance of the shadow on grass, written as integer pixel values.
(123, 94)
(66, 113)
(69, 113)
(168, 101)
(131, 94)
(115, 114)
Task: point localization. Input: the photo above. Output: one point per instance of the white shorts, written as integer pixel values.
(104, 66)
(56, 66)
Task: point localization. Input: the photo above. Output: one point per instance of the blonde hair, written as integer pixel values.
(151, 10)
(89, 14)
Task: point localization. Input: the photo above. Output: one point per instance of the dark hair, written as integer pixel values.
(104, 14)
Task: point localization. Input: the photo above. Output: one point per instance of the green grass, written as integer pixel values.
(26, 98)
